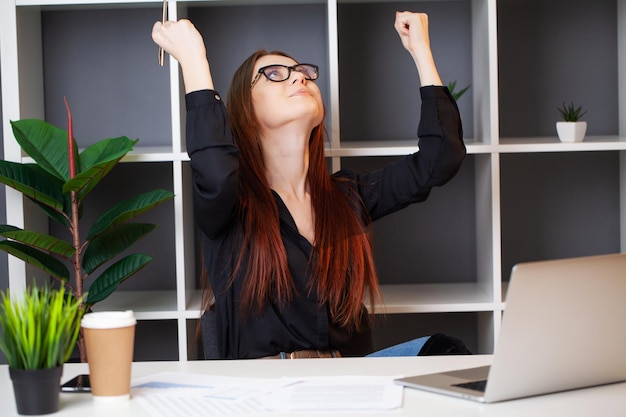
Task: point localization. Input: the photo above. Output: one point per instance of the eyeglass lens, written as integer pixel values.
(282, 72)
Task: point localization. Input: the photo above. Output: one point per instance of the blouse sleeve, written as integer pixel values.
(214, 161)
(410, 179)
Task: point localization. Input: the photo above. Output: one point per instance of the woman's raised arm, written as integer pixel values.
(413, 31)
(182, 40)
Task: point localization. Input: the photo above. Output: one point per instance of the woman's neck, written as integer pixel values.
(287, 163)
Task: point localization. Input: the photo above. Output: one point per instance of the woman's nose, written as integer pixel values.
(297, 76)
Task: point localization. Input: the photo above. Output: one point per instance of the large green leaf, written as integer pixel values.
(36, 258)
(38, 240)
(117, 273)
(127, 210)
(112, 243)
(33, 182)
(96, 161)
(58, 216)
(46, 144)
(105, 151)
(84, 182)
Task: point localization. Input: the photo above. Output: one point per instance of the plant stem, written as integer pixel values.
(70, 141)
(78, 271)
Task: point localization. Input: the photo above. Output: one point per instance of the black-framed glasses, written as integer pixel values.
(278, 73)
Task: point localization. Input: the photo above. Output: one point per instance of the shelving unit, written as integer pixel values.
(444, 264)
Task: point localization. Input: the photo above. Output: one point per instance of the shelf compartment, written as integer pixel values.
(156, 340)
(379, 84)
(552, 64)
(418, 243)
(118, 89)
(154, 154)
(559, 205)
(147, 305)
(152, 305)
(435, 298)
(268, 26)
(553, 144)
(90, 4)
(194, 303)
(123, 182)
(142, 154)
(394, 148)
(470, 327)
(411, 298)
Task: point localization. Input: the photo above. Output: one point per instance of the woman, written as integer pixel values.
(285, 244)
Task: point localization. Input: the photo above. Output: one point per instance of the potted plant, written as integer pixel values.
(457, 94)
(58, 182)
(571, 129)
(38, 332)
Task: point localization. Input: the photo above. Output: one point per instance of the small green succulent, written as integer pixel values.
(571, 113)
(457, 94)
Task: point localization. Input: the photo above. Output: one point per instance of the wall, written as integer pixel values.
(4, 273)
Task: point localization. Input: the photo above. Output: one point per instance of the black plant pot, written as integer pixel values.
(36, 391)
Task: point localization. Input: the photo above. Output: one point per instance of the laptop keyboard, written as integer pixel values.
(474, 385)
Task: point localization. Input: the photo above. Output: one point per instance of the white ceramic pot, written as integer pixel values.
(571, 131)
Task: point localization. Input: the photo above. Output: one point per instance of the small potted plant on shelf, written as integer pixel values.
(38, 332)
(457, 94)
(58, 182)
(571, 129)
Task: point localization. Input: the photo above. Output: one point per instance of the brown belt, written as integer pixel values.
(305, 354)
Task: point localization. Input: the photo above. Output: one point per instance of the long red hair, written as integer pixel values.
(342, 266)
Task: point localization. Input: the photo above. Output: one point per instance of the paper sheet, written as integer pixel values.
(179, 384)
(335, 393)
(173, 394)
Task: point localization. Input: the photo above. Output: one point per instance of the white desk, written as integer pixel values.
(607, 401)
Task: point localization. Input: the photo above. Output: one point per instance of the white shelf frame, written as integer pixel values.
(22, 96)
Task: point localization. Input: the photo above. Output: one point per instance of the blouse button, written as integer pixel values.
(217, 97)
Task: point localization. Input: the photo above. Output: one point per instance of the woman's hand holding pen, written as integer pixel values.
(182, 40)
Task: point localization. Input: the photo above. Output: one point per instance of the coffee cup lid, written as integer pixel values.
(108, 319)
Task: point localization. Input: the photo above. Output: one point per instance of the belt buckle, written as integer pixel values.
(307, 354)
(302, 354)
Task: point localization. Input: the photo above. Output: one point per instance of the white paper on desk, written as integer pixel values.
(177, 394)
(174, 394)
(180, 384)
(335, 393)
(169, 406)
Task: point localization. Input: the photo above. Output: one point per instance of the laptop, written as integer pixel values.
(562, 329)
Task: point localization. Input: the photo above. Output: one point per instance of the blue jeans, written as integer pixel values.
(410, 348)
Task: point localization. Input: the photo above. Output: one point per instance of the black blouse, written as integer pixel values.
(302, 323)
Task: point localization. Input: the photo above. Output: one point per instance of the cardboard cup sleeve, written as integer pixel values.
(109, 339)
